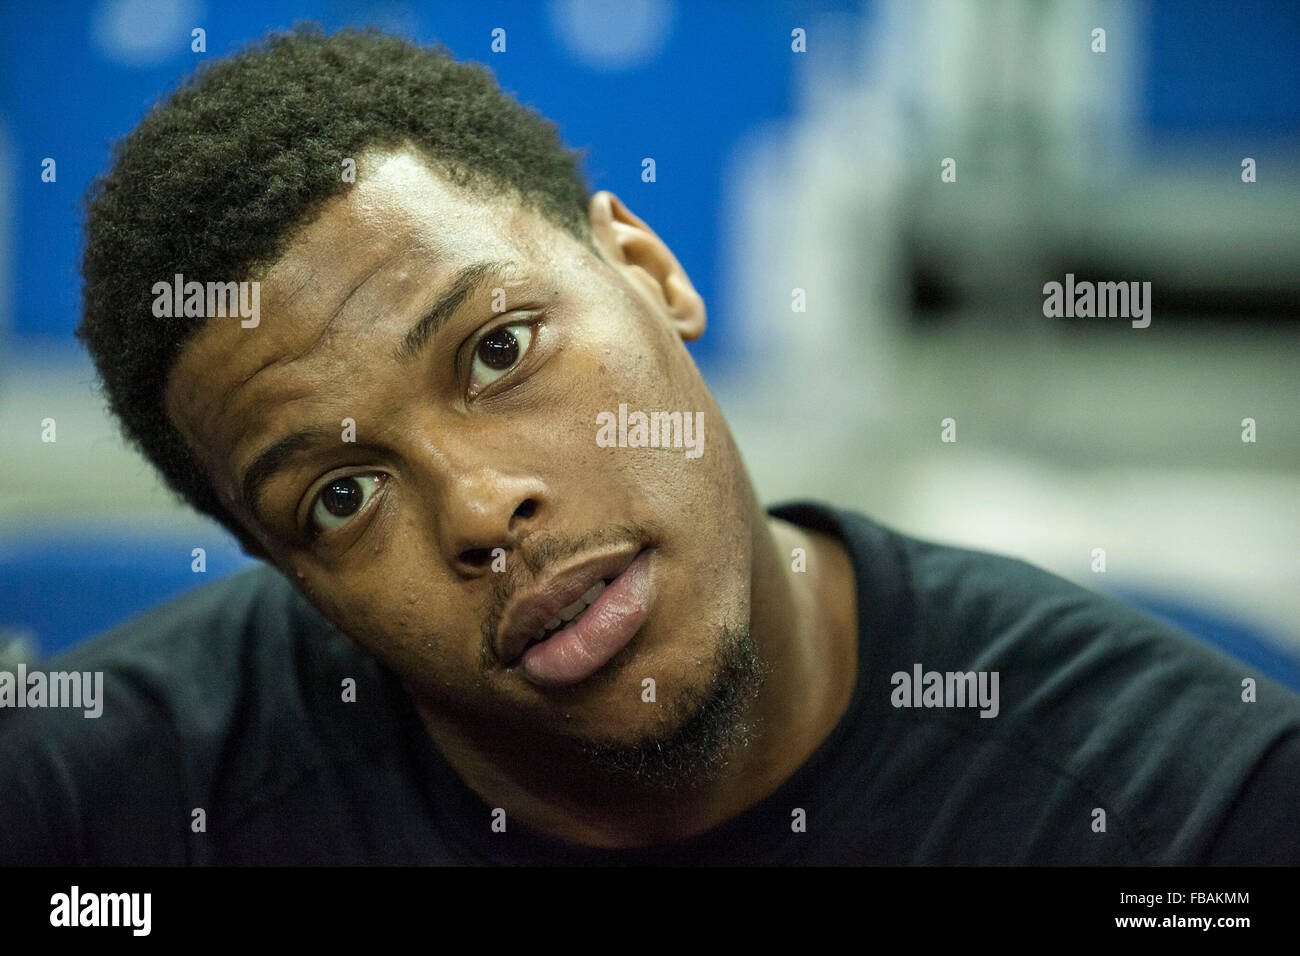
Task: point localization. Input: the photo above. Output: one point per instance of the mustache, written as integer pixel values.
(538, 553)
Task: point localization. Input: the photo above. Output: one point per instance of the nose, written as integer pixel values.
(486, 510)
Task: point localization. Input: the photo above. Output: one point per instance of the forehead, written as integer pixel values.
(402, 225)
(368, 264)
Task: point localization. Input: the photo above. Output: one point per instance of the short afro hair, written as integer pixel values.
(218, 177)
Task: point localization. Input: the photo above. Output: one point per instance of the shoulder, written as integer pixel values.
(191, 698)
(1193, 754)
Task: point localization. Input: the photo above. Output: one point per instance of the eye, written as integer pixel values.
(342, 499)
(497, 353)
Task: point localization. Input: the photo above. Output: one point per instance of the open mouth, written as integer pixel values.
(581, 636)
(572, 613)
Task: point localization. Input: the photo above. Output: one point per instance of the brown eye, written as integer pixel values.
(498, 352)
(341, 499)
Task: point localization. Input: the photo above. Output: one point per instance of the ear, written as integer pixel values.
(631, 246)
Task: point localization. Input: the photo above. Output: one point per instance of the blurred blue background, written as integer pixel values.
(680, 82)
(816, 170)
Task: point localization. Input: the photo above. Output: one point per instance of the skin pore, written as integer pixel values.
(454, 457)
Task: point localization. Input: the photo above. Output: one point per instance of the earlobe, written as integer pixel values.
(628, 244)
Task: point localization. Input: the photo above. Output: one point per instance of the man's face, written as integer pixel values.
(481, 437)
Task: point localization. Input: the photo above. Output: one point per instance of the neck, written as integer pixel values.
(804, 626)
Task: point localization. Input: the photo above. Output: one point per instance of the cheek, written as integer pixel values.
(701, 503)
(398, 610)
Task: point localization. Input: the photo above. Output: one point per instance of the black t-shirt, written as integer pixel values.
(1117, 740)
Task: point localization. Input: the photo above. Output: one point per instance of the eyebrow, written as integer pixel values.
(276, 457)
(467, 281)
(296, 444)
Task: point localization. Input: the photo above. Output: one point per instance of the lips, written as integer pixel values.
(573, 611)
(533, 615)
(585, 645)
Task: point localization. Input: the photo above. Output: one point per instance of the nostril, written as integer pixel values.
(526, 509)
(476, 557)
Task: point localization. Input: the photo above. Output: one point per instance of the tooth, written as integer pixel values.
(572, 611)
(594, 592)
(553, 624)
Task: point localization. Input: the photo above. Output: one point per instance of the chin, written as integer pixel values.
(686, 736)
